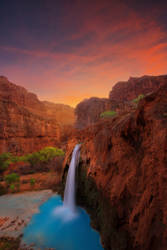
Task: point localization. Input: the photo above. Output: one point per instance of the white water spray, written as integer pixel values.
(69, 195)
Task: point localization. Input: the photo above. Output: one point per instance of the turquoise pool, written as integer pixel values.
(58, 228)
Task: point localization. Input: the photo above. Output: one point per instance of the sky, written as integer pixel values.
(69, 50)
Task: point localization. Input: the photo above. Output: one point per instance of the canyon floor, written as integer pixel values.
(16, 212)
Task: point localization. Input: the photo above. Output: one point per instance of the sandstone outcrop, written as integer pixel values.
(27, 124)
(88, 111)
(64, 114)
(127, 91)
(122, 176)
(120, 99)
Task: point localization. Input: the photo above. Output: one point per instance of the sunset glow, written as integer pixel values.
(66, 51)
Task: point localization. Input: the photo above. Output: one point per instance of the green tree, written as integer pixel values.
(12, 187)
(43, 155)
(5, 160)
(108, 113)
(32, 182)
(33, 158)
(49, 153)
(12, 178)
(137, 100)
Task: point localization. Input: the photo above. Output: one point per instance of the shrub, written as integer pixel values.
(12, 178)
(49, 153)
(12, 187)
(5, 160)
(43, 155)
(23, 158)
(140, 97)
(33, 158)
(108, 113)
(5, 156)
(15, 159)
(32, 181)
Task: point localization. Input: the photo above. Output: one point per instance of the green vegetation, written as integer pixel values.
(137, 100)
(32, 182)
(43, 155)
(13, 181)
(5, 160)
(108, 113)
(12, 187)
(12, 178)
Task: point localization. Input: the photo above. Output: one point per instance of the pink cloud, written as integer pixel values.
(123, 43)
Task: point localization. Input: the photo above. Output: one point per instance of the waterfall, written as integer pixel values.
(69, 195)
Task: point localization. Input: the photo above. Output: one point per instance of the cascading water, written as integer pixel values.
(69, 195)
(62, 225)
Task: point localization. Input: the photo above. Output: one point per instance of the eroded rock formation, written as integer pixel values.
(64, 114)
(122, 176)
(120, 99)
(127, 91)
(28, 124)
(88, 111)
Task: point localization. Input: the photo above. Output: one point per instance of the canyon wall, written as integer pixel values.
(64, 114)
(88, 111)
(120, 99)
(122, 175)
(28, 124)
(129, 90)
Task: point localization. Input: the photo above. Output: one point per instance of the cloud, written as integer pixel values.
(94, 47)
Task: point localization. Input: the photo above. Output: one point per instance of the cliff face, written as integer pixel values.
(120, 99)
(65, 117)
(127, 91)
(88, 111)
(64, 114)
(123, 176)
(27, 124)
(18, 95)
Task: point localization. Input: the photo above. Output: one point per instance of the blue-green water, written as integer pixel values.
(57, 228)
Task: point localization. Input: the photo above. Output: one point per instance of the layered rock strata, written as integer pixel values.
(122, 176)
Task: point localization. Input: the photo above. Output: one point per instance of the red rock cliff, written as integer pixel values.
(27, 124)
(64, 114)
(88, 111)
(120, 99)
(126, 158)
(127, 91)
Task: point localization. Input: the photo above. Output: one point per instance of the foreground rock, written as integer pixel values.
(122, 176)
(17, 210)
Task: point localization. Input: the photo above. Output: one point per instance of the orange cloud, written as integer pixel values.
(111, 43)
